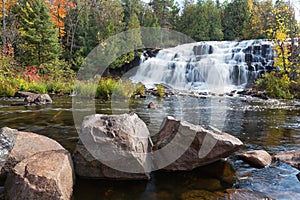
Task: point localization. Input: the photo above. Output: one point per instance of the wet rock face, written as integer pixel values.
(256, 158)
(47, 175)
(117, 141)
(208, 144)
(289, 157)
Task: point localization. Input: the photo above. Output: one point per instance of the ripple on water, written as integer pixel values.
(271, 125)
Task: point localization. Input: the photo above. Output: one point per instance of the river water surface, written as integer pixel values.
(270, 125)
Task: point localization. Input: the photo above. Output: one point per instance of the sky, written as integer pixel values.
(296, 5)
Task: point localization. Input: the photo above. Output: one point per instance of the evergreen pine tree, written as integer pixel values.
(40, 44)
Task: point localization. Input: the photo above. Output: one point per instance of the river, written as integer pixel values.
(270, 125)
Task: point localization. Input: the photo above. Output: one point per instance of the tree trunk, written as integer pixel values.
(4, 26)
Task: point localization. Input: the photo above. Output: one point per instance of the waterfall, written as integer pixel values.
(216, 67)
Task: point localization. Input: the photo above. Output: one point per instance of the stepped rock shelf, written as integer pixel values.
(217, 67)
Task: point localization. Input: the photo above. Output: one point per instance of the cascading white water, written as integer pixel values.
(216, 67)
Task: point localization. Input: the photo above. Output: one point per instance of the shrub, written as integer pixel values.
(276, 85)
(295, 88)
(8, 86)
(60, 87)
(85, 88)
(106, 87)
(160, 91)
(140, 89)
(37, 87)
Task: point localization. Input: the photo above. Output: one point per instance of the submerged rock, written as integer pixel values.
(115, 147)
(239, 194)
(256, 158)
(21, 145)
(208, 144)
(199, 194)
(47, 175)
(289, 157)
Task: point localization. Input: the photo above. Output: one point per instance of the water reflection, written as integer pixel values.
(270, 125)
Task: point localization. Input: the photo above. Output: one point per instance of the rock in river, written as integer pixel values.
(17, 145)
(152, 105)
(87, 166)
(290, 157)
(256, 158)
(113, 147)
(33, 98)
(38, 99)
(46, 175)
(207, 144)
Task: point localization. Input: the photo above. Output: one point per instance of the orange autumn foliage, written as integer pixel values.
(58, 11)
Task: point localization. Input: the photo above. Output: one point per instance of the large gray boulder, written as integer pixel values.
(18, 145)
(87, 166)
(47, 175)
(256, 158)
(207, 144)
(113, 147)
(289, 157)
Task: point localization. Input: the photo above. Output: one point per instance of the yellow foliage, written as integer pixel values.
(29, 7)
(58, 11)
(7, 5)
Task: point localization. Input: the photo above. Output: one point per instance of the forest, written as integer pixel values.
(44, 42)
